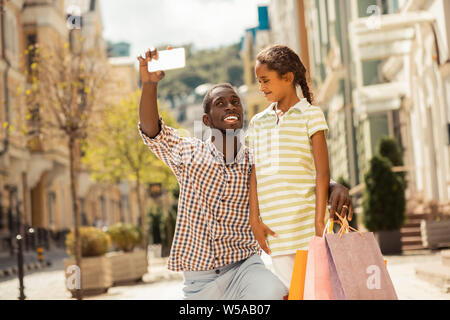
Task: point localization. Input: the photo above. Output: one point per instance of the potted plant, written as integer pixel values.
(127, 263)
(95, 273)
(384, 204)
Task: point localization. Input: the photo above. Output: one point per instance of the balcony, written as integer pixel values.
(380, 97)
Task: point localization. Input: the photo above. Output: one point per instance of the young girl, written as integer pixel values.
(289, 182)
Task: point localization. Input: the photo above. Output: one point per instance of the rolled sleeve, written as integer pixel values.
(167, 145)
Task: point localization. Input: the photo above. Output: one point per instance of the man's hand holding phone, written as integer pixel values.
(146, 76)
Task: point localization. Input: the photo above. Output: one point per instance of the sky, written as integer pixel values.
(205, 23)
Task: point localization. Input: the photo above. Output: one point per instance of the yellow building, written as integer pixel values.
(34, 170)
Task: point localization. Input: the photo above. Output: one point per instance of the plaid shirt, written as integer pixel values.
(212, 228)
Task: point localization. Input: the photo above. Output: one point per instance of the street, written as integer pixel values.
(160, 284)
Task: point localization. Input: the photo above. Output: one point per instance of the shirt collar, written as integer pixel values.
(218, 155)
(302, 105)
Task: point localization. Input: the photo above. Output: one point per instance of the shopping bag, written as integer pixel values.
(298, 275)
(317, 277)
(357, 268)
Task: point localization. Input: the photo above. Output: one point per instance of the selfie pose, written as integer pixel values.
(213, 242)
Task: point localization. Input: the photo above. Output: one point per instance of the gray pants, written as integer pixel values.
(248, 279)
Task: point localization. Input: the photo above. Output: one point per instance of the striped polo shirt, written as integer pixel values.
(285, 172)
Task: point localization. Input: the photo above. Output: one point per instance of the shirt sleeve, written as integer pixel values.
(250, 134)
(316, 121)
(167, 146)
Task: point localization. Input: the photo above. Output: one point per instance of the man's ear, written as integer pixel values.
(206, 121)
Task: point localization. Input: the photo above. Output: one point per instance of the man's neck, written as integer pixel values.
(229, 144)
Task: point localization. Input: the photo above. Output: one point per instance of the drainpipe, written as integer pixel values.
(5, 78)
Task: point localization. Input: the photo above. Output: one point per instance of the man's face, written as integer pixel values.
(225, 110)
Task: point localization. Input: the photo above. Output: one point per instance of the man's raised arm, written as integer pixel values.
(148, 108)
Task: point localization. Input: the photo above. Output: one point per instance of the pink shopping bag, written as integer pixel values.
(317, 277)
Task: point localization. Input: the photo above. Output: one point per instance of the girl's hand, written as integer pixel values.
(260, 230)
(146, 76)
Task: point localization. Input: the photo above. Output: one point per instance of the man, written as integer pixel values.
(213, 242)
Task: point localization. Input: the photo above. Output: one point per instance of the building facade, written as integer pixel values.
(377, 68)
(34, 170)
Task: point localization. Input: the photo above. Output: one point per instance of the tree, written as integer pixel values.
(384, 201)
(389, 148)
(115, 152)
(203, 66)
(65, 88)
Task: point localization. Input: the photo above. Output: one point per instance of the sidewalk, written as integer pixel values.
(8, 263)
(162, 284)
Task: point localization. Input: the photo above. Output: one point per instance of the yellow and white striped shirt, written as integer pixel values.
(285, 173)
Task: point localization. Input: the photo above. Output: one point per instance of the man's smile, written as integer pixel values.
(231, 118)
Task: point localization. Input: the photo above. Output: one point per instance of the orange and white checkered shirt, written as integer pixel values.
(212, 228)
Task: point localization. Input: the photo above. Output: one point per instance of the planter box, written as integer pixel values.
(127, 266)
(96, 276)
(390, 242)
(435, 234)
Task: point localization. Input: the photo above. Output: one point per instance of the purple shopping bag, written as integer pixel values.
(357, 268)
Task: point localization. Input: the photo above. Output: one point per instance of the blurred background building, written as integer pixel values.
(34, 174)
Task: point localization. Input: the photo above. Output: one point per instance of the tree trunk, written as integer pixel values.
(78, 292)
(143, 223)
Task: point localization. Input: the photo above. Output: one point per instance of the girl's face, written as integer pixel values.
(271, 84)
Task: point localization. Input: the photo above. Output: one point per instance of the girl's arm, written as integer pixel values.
(320, 154)
(260, 230)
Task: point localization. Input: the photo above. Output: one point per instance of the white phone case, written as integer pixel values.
(168, 59)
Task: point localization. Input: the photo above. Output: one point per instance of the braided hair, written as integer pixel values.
(283, 59)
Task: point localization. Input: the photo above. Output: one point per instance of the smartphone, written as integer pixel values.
(168, 59)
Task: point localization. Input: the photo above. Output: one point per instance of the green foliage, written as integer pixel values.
(125, 236)
(94, 242)
(115, 151)
(204, 66)
(155, 219)
(384, 201)
(389, 148)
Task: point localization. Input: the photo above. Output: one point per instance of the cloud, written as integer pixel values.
(206, 23)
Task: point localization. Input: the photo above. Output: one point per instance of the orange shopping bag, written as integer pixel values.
(298, 275)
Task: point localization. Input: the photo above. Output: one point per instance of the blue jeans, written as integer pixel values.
(248, 279)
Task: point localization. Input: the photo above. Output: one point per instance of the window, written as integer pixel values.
(103, 209)
(11, 36)
(84, 221)
(51, 198)
(31, 42)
